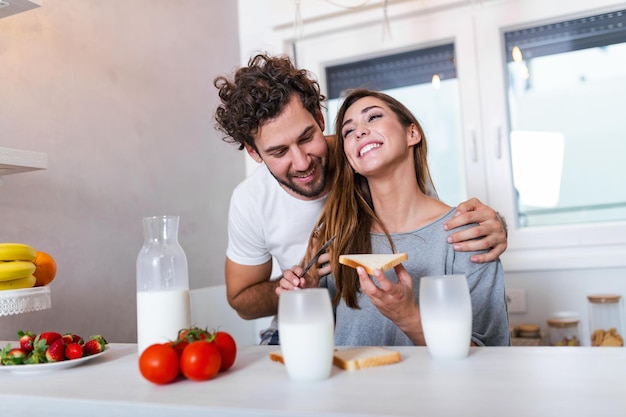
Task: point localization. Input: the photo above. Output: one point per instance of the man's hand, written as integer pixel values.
(490, 233)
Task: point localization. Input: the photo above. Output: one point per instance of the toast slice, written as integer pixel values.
(351, 359)
(371, 261)
(276, 356)
(364, 357)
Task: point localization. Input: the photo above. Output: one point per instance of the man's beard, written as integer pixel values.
(310, 190)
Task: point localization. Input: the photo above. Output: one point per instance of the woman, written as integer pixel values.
(380, 204)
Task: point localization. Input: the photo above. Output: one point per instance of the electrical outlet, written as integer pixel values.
(516, 300)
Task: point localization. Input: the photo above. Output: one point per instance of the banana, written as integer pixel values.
(16, 284)
(16, 269)
(17, 252)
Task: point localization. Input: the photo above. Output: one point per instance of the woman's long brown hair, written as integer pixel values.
(349, 211)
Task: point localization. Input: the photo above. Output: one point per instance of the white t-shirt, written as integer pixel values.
(265, 221)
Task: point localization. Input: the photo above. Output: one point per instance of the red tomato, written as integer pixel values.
(182, 333)
(193, 334)
(228, 349)
(201, 360)
(158, 363)
(179, 346)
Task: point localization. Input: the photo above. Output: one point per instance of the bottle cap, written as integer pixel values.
(528, 330)
(604, 298)
(562, 322)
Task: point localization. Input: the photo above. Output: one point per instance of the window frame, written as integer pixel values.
(539, 247)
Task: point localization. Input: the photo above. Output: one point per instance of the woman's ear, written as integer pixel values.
(253, 153)
(414, 135)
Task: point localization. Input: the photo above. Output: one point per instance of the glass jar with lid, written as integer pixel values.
(563, 331)
(606, 321)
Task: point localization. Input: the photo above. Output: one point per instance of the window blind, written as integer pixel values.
(392, 71)
(571, 35)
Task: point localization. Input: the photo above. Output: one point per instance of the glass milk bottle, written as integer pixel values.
(162, 283)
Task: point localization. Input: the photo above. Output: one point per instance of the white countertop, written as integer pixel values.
(492, 381)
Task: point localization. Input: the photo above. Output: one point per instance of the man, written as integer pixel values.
(274, 111)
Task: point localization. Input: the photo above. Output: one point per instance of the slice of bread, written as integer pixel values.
(364, 357)
(276, 356)
(351, 359)
(371, 261)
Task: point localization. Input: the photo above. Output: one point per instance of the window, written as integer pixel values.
(532, 117)
(566, 100)
(425, 81)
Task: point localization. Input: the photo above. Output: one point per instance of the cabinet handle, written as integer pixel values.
(498, 144)
(473, 150)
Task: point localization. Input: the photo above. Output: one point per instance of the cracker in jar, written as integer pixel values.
(606, 338)
(597, 337)
(612, 338)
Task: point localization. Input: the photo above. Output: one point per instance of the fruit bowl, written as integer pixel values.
(24, 300)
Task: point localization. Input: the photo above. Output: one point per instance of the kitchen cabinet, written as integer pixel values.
(13, 161)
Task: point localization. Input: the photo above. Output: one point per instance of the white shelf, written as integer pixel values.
(13, 161)
(11, 7)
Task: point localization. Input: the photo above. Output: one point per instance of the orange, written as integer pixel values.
(46, 269)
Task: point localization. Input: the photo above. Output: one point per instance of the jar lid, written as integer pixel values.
(528, 328)
(604, 298)
(562, 322)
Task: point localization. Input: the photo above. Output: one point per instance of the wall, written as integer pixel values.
(119, 95)
(548, 291)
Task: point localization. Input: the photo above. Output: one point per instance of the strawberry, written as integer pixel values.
(73, 350)
(48, 337)
(72, 338)
(38, 354)
(12, 356)
(94, 344)
(56, 351)
(27, 340)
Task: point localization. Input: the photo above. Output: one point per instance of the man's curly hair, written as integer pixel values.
(259, 93)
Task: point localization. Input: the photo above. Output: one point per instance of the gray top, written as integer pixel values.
(429, 254)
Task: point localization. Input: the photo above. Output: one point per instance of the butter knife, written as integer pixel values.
(317, 255)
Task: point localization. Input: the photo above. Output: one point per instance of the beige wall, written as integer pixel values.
(119, 95)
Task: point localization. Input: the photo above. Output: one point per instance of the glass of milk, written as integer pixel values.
(446, 313)
(306, 332)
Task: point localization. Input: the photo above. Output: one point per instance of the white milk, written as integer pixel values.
(447, 338)
(307, 349)
(160, 315)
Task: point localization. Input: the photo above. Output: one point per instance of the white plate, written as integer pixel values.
(36, 368)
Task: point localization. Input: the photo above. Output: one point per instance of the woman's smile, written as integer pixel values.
(365, 149)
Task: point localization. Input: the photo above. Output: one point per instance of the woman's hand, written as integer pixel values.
(490, 233)
(291, 280)
(395, 301)
(323, 264)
